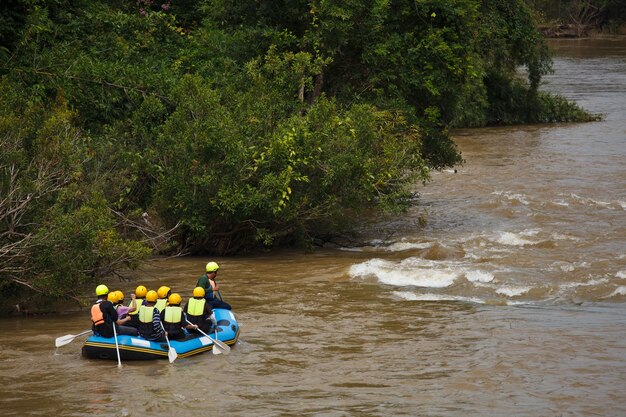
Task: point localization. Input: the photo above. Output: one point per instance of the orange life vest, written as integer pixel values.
(96, 315)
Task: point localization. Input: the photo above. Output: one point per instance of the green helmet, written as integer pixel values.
(212, 267)
(102, 290)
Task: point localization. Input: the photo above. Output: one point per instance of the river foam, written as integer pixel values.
(479, 276)
(409, 272)
(618, 291)
(512, 291)
(511, 196)
(410, 296)
(611, 205)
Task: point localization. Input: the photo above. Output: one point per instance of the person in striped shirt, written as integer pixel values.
(150, 325)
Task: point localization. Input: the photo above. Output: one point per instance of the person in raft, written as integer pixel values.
(211, 288)
(104, 315)
(118, 302)
(117, 298)
(198, 312)
(163, 293)
(150, 327)
(174, 318)
(139, 300)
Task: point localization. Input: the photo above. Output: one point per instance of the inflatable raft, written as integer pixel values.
(138, 348)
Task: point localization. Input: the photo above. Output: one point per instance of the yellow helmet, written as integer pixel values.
(102, 290)
(163, 291)
(212, 267)
(175, 299)
(151, 296)
(198, 292)
(120, 296)
(141, 291)
(112, 297)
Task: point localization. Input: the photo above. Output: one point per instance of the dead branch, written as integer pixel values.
(154, 235)
(17, 241)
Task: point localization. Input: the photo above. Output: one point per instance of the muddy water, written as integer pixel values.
(510, 301)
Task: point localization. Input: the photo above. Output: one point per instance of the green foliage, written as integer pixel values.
(551, 108)
(402, 55)
(239, 124)
(103, 61)
(80, 246)
(56, 232)
(514, 58)
(514, 103)
(510, 39)
(241, 175)
(12, 21)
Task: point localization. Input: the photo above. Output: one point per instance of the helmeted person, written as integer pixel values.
(140, 298)
(211, 287)
(174, 319)
(163, 293)
(117, 298)
(103, 314)
(150, 320)
(198, 311)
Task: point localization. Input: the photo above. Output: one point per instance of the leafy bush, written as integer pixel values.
(220, 126)
(289, 179)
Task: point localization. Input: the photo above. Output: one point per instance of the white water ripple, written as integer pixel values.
(409, 296)
(478, 276)
(512, 291)
(621, 290)
(522, 198)
(409, 272)
(513, 239)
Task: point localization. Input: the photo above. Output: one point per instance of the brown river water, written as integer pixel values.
(509, 301)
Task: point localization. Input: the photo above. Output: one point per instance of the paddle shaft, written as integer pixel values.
(221, 345)
(117, 347)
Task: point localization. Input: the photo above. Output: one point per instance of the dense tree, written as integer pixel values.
(583, 15)
(135, 127)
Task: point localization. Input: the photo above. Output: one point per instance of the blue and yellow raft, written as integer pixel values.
(138, 348)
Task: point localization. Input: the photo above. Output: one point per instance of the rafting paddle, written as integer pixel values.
(221, 346)
(117, 347)
(171, 352)
(64, 340)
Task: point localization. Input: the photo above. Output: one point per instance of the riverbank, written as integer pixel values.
(572, 30)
